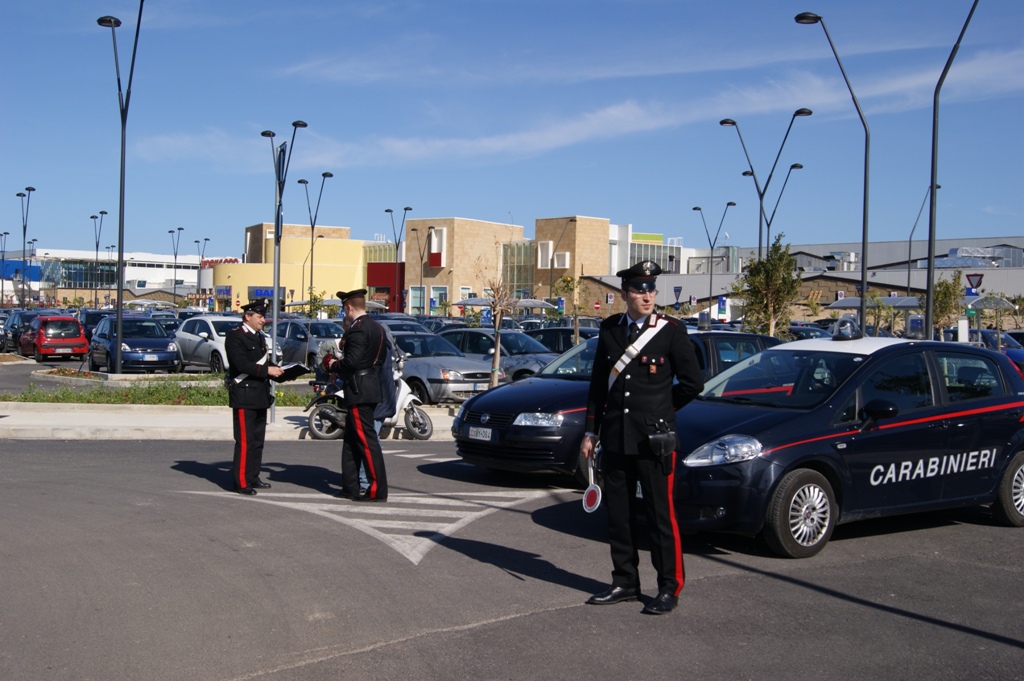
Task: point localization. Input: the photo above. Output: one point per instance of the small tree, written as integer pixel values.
(768, 286)
(315, 304)
(948, 294)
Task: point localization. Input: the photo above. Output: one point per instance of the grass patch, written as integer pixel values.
(150, 392)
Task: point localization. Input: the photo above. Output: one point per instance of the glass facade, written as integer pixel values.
(517, 263)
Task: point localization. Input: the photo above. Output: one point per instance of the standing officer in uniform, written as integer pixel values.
(359, 367)
(249, 372)
(631, 399)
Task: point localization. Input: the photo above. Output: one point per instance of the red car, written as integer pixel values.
(53, 337)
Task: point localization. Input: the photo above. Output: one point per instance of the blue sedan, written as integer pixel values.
(145, 346)
(814, 433)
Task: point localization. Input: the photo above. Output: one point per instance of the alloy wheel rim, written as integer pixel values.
(809, 515)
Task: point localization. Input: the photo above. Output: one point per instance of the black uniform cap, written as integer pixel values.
(260, 307)
(344, 296)
(641, 276)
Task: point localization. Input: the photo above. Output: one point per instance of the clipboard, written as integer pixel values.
(291, 372)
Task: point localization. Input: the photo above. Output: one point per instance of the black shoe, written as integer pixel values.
(247, 491)
(366, 497)
(663, 604)
(616, 594)
(259, 484)
(346, 495)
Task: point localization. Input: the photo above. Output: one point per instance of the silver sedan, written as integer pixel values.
(437, 372)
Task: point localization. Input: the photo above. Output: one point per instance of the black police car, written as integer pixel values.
(809, 434)
(536, 424)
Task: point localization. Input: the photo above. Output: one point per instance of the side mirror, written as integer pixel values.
(205, 335)
(875, 411)
(302, 337)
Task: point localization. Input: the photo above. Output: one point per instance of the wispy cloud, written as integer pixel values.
(987, 75)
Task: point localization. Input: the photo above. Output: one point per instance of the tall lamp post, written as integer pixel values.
(3, 266)
(808, 18)
(282, 158)
(175, 242)
(396, 296)
(910, 241)
(26, 201)
(711, 256)
(309, 257)
(123, 101)
(761, 191)
(97, 229)
(771, 218)
(420, 247)
(930, 310)
(312, 223)
(201, 252)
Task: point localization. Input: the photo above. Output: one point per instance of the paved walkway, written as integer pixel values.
(49, 421)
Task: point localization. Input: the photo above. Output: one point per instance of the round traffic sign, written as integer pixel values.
(597, 304)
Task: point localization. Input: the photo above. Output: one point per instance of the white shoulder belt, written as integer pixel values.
(633, 350)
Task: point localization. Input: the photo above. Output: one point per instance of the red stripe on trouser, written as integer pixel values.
(243, 448)
(677, 541)
(361, 434)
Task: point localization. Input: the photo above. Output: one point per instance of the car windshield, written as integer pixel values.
(222, 327)
(784, 378)
(576, 364)
(426, 345)
(521, 344)
(1006, 339)
(326, 330)
(93, 318)
(137, 328)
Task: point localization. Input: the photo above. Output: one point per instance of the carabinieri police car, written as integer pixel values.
(809, 434)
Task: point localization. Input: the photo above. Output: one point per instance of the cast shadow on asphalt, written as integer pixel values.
(517, 564)
(219, 473)
(477, 475)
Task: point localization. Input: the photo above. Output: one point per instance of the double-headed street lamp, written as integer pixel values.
(711, 255)
(420, 247)
(97, 229)
(123, 101)
(811, 18)
(26, 201)
(761, 191)
(771, 218)
(399, 303)
(175, 242)
(312, 223)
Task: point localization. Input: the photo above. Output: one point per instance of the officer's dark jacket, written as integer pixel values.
(360, 363)
(643, 394)
(244, 349)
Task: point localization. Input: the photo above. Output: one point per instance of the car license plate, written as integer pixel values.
(149, 358)
(479, 433)
(477, 387)
(63, 351)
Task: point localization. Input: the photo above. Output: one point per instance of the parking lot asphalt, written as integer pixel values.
(53, 421)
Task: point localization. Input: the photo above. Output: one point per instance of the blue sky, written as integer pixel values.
(509, 110)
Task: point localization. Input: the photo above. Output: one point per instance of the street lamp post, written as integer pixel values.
(761, 191)
(312, 223)
(910, 241)
(3, 266)
(309, 257)
(97, 229)
(396, 296)
(26, 260)
(26, 201)
(711, 256)
(123, 101)
(175, 242)
(201, 252)
(808, 18)
(771, 218)
(420, 247)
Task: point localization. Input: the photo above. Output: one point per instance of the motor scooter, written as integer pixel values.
(327, 419)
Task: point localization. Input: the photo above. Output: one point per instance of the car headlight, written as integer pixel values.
(723, 450)
(171, 347)
(125, 348)
(451, 375)
(539, 419)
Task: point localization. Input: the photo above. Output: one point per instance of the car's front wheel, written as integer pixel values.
(801, 515)
(1009, 506)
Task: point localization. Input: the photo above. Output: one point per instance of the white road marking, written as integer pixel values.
(411, 524)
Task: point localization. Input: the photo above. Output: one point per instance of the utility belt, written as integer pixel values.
(359, 378)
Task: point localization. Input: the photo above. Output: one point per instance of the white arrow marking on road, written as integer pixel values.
(405, 517)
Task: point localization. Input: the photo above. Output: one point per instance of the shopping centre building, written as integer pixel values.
(441, 261)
